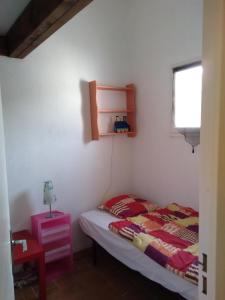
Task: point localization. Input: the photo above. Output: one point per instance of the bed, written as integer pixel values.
(95, 224)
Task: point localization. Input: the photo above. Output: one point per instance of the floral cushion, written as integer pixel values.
(125, 206)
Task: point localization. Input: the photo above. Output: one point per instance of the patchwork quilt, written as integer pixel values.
(167, 235)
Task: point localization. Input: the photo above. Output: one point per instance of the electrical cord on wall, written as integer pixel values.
(110, 171)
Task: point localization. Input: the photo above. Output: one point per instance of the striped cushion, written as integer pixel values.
(125, 206)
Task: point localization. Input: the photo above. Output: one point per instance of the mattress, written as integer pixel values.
(95, 224)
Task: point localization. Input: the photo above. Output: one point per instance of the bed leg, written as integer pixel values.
(94, 252)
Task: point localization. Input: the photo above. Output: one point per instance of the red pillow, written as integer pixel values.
(125, 206)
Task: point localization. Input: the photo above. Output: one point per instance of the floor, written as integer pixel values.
(109, 279)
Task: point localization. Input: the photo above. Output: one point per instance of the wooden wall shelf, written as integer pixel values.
(130, 110)
(125, 111)
(113, 88)
(130, 133)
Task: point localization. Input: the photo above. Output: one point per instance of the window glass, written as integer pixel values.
(187, 96)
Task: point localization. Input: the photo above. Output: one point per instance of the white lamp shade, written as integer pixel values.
(49, 197)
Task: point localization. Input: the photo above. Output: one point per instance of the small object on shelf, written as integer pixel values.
(129, 125)
(126, 126)
(121, 125)
(117, 125)
(55, 236)
(49, 198)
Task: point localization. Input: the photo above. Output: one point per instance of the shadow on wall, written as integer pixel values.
(85, 111)
(20, 207)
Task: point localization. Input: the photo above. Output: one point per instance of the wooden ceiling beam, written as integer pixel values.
(3, 46)
(39, 20)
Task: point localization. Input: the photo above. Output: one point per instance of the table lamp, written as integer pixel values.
(49, 197)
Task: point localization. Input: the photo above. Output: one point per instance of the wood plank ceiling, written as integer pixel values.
(39, 20)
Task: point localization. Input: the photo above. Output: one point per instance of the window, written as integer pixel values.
(187, 96)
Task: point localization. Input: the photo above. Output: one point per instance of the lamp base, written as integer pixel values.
(50, 215)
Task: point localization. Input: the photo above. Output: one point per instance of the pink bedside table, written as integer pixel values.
(55, 235)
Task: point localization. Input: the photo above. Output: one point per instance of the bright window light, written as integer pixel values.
(188, 96)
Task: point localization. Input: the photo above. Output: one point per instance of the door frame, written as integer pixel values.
(6, 277)
(212, 152)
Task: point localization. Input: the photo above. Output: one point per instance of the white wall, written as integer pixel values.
(46, 114)
(163, 34)
(46, 109)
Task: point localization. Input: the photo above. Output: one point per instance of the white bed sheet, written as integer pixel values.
(95, 224)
